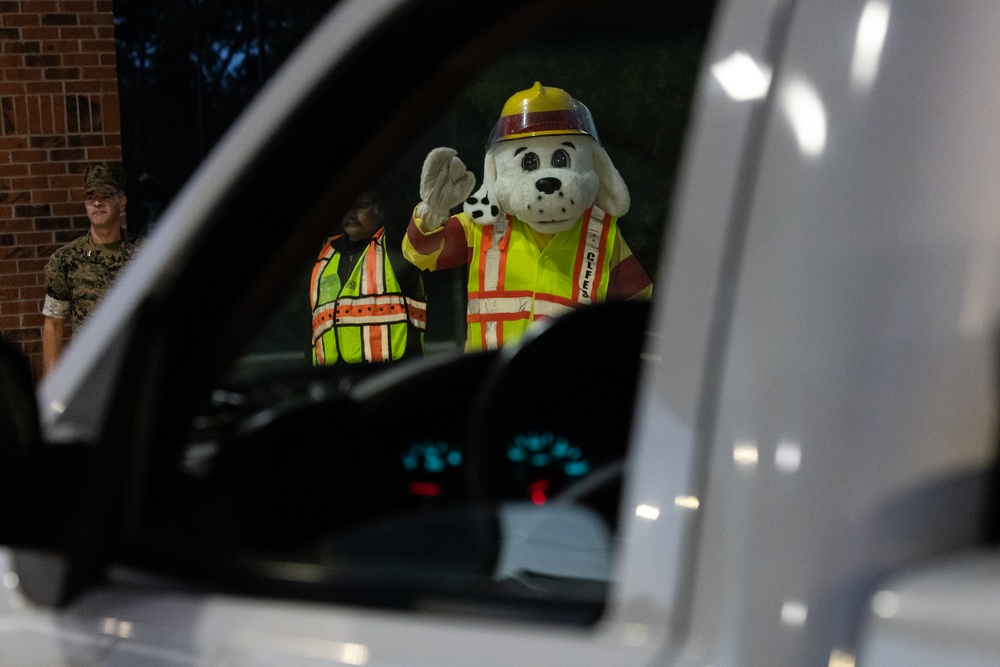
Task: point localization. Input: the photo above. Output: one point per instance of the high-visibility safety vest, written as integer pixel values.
(368, 319)
(513, 282)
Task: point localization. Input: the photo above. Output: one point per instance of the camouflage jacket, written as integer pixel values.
(80, 272)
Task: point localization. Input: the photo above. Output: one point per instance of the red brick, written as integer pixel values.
(39, 6)
(36, 266)
(13, 170)
(17, 307)
(30, 184)
(31, 210)
(23, 74)
(66, 154)
(18, 252)
(81, 32)
(47, 141)
(17, 280)
(20, 114)
(11, 225)
(112, 114)
(30, 155)
(19, 20)
(67, 210)
(9, 61)
(97, 45)
(12, 143)
(100, 73)
(46, 34)
(84, 6)
(110, 153)
(86, 140)
(83, 60)
(47, 168)
(62, 73)
(43, 116)
(43, 60)
(32, 322)
(14, 196)
(49, 197)
(60, 19)
(43, 88)
(82, 87)
(101, 19)
(52, 44)
(66, 181)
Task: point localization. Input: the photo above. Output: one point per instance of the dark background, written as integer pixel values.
(187, 68)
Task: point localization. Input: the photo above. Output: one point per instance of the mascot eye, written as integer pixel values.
(560, 159)
(529, 162)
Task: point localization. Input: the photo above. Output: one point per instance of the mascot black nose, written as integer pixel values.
(548, 185)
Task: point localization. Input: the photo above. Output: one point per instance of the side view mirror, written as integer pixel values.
(19, 430)
(39, 484)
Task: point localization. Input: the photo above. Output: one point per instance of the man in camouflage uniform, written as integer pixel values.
(79, 273)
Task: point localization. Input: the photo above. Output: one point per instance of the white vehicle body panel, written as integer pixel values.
(824, 371)
(943, 614)
(859, 380)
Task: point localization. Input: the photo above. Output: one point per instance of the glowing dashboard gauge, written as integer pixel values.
(544, 462)
(431, 466)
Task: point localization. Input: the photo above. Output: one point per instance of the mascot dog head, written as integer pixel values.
(545, 165)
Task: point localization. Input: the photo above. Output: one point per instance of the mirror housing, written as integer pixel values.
(40, 484)
(19, 426)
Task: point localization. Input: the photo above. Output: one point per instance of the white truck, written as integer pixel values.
(787, 457)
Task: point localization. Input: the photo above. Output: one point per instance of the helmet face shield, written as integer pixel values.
(541, 111)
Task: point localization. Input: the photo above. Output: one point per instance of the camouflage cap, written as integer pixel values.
(104, 178)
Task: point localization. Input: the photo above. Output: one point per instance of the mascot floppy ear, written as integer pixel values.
(482, 205)
(489, 173)
(612, 195)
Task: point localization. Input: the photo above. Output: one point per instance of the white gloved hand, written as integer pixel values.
(444, 184)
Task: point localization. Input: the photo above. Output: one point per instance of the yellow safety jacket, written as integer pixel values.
(513, 281)
(368, 319)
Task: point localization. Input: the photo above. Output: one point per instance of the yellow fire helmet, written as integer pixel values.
(541, 110)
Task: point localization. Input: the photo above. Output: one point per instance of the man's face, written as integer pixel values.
(362, 220)
(105, 209)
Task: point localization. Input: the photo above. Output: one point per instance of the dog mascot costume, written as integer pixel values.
(541, 234)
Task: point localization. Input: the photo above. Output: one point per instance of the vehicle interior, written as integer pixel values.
(237, 466)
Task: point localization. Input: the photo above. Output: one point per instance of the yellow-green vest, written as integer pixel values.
(369, 319)
(512, 282)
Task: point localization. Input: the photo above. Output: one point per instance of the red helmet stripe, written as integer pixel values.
(539, 121)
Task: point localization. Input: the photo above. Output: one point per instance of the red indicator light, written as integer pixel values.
(426, 489)
(536, 491)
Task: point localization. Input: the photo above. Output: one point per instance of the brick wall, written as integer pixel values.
(58, 112)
